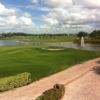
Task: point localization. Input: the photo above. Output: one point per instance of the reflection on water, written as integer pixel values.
(7, 42)
(63, 44)
(77, 46)
(10, 43)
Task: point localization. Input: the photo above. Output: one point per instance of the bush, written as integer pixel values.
(15, 81)
(55, 93)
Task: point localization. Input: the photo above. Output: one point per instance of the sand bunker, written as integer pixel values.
(52, 49)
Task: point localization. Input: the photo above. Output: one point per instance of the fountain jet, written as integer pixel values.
(82, 42)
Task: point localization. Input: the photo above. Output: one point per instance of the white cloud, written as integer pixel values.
(79, 14)
(34, 1)
(67, 3)
(10, 20)
(25, 20)
(44, 9)
(68, 14)
(88, 3)
(51, 21)
(58, 3)
(5, 11)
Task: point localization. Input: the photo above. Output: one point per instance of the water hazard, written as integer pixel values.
(95, 47)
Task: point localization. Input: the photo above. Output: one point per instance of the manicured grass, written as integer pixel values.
(40, 63)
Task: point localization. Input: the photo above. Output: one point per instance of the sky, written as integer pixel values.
(49, 16)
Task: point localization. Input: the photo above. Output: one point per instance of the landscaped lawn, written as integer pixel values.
(39, 62)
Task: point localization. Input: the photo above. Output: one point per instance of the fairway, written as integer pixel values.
(39, 62)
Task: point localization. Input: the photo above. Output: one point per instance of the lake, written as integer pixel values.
(11, 43)
(88, 46)
(95, 47)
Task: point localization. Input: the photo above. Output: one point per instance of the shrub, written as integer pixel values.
(15, 81)
(55, 93)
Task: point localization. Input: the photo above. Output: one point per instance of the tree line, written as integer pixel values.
(10, 34)
(93, 34)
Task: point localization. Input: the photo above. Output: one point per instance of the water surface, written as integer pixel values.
(88, 46)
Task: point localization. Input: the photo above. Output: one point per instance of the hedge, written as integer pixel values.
(15, 81)
(56, 93)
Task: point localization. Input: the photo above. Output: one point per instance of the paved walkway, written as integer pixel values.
(87, 87)
(75, 79)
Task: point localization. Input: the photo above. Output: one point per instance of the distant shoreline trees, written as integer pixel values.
(94, 34)
(82, 34)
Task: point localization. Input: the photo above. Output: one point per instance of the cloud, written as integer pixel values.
(34, 1)
(72, 14)
(5, 12)
(77, 14)
(44, 9)
(67, 15)
(10, 20)
(87, 3)
(58, 3)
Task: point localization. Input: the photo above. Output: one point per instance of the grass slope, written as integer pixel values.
(39, 62)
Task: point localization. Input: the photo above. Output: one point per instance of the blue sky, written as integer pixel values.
(49, 16)
(25, 6)
(16, 2)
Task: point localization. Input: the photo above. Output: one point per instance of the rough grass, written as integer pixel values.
(39, 62)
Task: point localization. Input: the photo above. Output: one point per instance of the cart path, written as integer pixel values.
(87, 87)
(69, 77)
